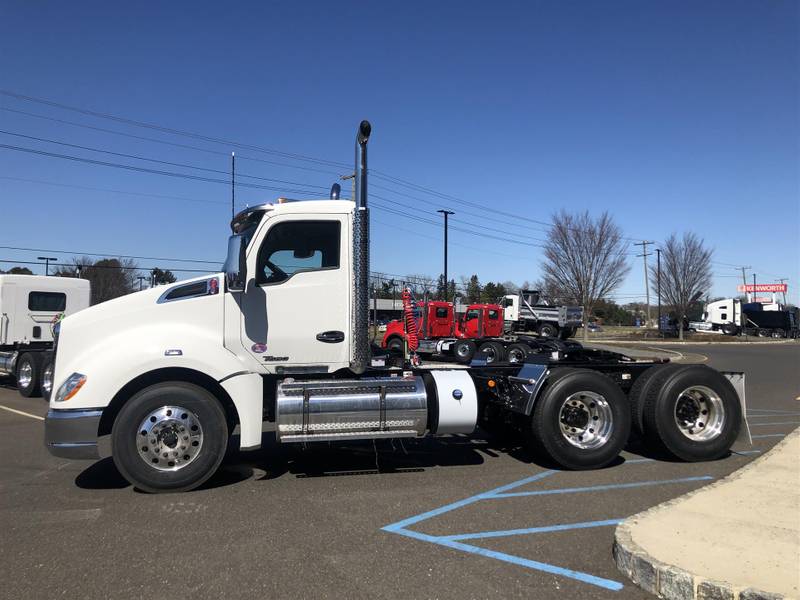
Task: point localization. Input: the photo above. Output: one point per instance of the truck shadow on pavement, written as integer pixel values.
(355, 458)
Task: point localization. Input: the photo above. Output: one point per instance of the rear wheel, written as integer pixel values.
(170, 437)
(493, 352)
(547, 330)
(692, 413)
(464, 351)
(395, 344)
(641, 387)
(29, 369)
(729, 329)
(517, 353)
(778, 333)
(581, 420)
(47, 377)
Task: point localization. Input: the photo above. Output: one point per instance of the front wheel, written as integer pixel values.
(170, 437)
(692, 413)
(581, 420)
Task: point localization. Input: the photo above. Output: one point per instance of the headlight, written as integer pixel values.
(70, 387)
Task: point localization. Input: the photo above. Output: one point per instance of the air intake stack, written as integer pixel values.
(360, 318)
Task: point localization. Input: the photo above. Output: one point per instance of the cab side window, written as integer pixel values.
(493, 314)
(441, 313)
(297, 246)
(472, 314)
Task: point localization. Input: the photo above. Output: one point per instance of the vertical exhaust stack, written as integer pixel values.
(360, 353)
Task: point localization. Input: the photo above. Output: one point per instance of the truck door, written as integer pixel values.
(295, 310)
(441, 319)
(472, 325)
(492, 322)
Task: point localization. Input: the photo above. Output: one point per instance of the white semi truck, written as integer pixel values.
(280, 337)
(731, 316)
(29, 308)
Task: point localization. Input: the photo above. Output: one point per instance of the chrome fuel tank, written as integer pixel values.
(372, 407)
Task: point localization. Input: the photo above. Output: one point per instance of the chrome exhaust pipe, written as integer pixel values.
(360, 352)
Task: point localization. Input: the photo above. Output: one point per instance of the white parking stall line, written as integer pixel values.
(24, 414)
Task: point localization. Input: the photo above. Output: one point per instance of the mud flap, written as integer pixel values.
(737, 380)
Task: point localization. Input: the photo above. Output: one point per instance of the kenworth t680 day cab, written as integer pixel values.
(281, 336)
(30, 305)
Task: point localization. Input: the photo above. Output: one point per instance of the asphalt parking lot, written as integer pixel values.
(459, 517)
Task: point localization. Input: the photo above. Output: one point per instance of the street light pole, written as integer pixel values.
(47, 260)
(446, 214)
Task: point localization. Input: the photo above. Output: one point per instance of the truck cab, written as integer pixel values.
(481, 321)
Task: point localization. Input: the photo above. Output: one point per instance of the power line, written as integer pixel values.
(170, 130)
(165, 142)
(146, 170)
(154, 160)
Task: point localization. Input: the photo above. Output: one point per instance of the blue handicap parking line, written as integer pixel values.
(596, 488)
(769, 435)
(456, 541)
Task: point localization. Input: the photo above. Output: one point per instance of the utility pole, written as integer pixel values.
(754, 288)
(783, 280)
(744, 277)
(47, 260)
(233, 184)
(446, 214)
(644, 256)
(658, 285)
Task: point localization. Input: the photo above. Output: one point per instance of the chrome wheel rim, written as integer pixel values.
(586, 420)
(516, 355)
(25, 375)
(489, 354)
(462, 350)
(699, 413)
(169, 438)
(47, 379)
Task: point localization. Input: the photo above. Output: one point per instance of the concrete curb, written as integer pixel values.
(673, 583)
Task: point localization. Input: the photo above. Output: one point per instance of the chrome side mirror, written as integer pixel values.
(235, 266)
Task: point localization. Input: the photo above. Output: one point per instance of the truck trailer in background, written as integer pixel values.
(30, 306)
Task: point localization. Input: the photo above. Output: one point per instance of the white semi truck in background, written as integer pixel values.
(29, 308)
(280, 337)
(731, 316)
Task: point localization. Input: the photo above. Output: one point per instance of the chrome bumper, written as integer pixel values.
(72, 433)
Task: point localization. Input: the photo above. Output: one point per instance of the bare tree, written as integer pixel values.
(584, 258)
(685, 273)
(109, 277)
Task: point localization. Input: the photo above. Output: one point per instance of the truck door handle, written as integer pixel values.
(331, 337)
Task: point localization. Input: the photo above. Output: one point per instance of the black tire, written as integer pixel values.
(778, 333)
(566, 333)
(667, 396)
(517, 353)
(493, 352)
(638, 393)
(544, 431)
(29, 373)
(547, 330)
(201, 406)
(730, 329)
(46, 383)
(395, 344)
(464, 351)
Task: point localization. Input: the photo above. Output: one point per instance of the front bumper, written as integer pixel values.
(72, 433)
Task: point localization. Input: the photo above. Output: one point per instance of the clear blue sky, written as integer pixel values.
(671, 115)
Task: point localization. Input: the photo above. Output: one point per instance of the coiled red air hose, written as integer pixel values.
(410, 320)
